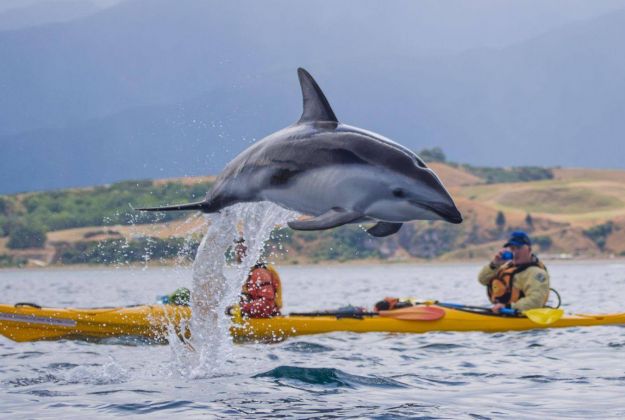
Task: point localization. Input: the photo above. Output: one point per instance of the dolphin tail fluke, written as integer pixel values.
(201, 206)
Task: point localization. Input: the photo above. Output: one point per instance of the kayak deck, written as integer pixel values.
(156, 322)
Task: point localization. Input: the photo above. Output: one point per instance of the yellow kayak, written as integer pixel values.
(25, 322)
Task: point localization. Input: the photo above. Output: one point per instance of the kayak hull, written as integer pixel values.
(159, 322)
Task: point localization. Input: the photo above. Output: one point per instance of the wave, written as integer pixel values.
(329, 377)
(306, 347)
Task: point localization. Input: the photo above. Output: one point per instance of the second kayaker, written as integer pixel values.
(261, 295)
(516, 278)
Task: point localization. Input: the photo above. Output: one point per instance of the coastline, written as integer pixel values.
(329, 263)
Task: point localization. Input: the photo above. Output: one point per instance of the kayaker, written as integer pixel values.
(261, 295)
(516, 278)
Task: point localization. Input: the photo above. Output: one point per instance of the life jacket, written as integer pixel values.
(501, 288)
(261, 294)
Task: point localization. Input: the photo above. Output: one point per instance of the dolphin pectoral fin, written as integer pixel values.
(328, 220)
(382, 229)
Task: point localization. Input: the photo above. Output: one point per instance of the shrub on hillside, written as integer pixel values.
(429, 239)
(544, 242)
(500, 220)
(5, 206)
(599, 234)
(344, 243)
(27, 236)
(108, 205)
(10, 261)
(434, 154)
(7, 224)
(529, 221)
(120, 251)
(494, 175)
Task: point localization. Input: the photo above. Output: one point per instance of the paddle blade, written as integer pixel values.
(415, 313)
(544, 316)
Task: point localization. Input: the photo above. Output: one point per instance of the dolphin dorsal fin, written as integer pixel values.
(316, 106)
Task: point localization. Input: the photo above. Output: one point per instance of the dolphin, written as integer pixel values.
(334, 172)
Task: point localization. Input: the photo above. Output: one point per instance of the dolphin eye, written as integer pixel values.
(399, 193)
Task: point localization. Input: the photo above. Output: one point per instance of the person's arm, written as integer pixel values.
(258, 308)
(487, 274)
(535, 290)
(489, 271)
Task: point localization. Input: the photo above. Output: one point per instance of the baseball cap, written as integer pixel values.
(518, 238)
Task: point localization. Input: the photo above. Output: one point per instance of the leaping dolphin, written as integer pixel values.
(337, 173)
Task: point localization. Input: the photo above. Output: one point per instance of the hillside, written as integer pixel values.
(577, 213)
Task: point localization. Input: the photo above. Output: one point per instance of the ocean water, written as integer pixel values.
(572, 373)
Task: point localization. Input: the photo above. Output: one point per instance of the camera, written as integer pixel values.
(507, 255)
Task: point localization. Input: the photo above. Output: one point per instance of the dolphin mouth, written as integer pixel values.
(449, 213)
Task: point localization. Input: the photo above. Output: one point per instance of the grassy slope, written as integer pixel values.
(562, 208)
(576, 199)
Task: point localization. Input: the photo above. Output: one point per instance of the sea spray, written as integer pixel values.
(216, 286)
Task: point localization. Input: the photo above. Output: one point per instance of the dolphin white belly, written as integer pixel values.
(351, 187)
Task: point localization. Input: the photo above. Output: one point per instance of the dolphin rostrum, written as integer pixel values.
(336, 173)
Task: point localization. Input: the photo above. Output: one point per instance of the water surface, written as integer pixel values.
(573, 373)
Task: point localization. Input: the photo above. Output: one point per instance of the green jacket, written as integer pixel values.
(533, 282)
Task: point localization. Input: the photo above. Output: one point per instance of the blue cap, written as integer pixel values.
(518, 238)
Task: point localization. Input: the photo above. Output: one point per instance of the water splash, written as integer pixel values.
(217, 286)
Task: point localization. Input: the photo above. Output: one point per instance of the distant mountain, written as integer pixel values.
(556, 99)
(23, 17)
(28, 13)
(147, 52)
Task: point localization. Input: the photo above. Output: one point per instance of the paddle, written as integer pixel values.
(350, 312)
(461, 306)
(541, 316)
(415, 313)
(412, 313)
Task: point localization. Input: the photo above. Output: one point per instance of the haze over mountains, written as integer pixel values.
(154, 88)
(20, 14)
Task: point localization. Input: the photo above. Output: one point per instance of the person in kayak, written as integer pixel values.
(261, 295)
(516, 278)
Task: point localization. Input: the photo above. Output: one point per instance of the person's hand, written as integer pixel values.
(497, 259)
(497, 307)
